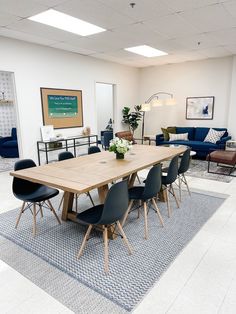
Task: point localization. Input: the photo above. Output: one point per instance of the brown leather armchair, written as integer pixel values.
(127, 135)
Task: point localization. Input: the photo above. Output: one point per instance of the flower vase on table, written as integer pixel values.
(119, 146)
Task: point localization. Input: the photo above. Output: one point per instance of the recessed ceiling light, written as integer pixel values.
(146, 51)
(66, 22)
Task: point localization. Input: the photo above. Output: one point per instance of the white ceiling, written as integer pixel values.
(185, 29)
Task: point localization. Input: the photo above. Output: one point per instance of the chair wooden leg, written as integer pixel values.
(158, 212)
(168, 202)
(139, 181)
(19, 217)
(61, 201)
(106, 260)
(126, 242)
(91, 200)
(84, 241)
(175, 197)
(54, 212)
(185, 181)
(127, 213)
(41, 210)
(145, 220)
(34, 219)
(180, 192)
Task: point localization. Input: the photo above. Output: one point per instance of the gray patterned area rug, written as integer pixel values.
(50, 261)
(198, 169)
(7, 164)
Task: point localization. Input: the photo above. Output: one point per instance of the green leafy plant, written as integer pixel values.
(132, 118)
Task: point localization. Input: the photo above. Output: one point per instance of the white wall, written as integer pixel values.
(232, 107)
(104, 103)
(211, 77)
(37, 66)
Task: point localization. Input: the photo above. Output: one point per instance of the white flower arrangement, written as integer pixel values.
(120, 145)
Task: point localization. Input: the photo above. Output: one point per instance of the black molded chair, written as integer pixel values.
(145, 194)
(93, 150)
(32, 194)
(183, 167)
(107, 214)
(64, 156)
(168, 180)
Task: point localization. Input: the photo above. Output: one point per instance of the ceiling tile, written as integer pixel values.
(6, 19)
(196, 42)
(143, 10)
(94, 12)
(224, 37)
(210, 18)
(230, 6)
(172, 26)
(215, 52)
(22, 8)
(65, 46)
(184, 5)
(42, 30)
(49, 3)
(25, 37)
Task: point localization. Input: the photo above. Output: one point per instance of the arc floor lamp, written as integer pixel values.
(156, 101)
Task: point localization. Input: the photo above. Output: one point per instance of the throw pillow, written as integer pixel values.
(170, 129)
(213, 136)
(179, 137)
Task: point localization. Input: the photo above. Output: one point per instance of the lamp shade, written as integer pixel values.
(170, 101)
(157, 102)
(146, 107)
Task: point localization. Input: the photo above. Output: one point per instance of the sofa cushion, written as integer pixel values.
(201, 133)
(10, 144)
(213, 136)
(170, 129)
(179, 137)
(195, 145)
(189, 130)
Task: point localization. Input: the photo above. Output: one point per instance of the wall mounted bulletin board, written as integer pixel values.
(62, 108)
(200, 108)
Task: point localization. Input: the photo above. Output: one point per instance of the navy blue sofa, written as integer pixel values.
(9, 145)
(196, 136)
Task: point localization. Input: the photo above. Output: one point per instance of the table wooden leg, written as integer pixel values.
(67, 205)
(102, 193)
(162, 195)
(132, 179)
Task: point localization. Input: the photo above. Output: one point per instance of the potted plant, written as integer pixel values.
(119, 146)
(132, 118)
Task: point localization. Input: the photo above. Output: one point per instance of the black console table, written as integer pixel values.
(65, 143)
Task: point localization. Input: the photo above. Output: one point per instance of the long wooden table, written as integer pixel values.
(82, 174)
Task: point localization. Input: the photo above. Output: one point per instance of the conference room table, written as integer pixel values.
(85, 173)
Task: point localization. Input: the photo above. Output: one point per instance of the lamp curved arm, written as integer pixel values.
(156, 96)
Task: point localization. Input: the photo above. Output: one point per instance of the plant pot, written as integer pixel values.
(120, 156)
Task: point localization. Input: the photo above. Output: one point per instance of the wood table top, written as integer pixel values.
(82, 174)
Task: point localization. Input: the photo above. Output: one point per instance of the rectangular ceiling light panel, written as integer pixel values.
(146, 51)
(66, 23)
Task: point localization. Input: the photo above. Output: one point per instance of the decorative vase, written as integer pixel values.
(120, 156)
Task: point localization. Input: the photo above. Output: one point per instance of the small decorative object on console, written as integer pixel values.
(119, 146)
(86, 131)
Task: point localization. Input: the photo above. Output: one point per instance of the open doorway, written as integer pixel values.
(9, 151)
(105, 107)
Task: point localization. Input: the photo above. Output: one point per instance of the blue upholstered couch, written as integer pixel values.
(9, 146)
(196, 136)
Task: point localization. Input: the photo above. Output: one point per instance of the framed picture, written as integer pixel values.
(200, 108)
(62, 108)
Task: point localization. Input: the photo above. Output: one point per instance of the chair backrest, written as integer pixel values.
(65, 155)
(13, 134)
(116, 203)
(93, 150)
(21, 186)
(185, 161)
(153, 182)
(127, 135)
(172, 170)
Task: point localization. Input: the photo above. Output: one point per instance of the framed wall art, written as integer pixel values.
(200, 108)
(62, 108)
